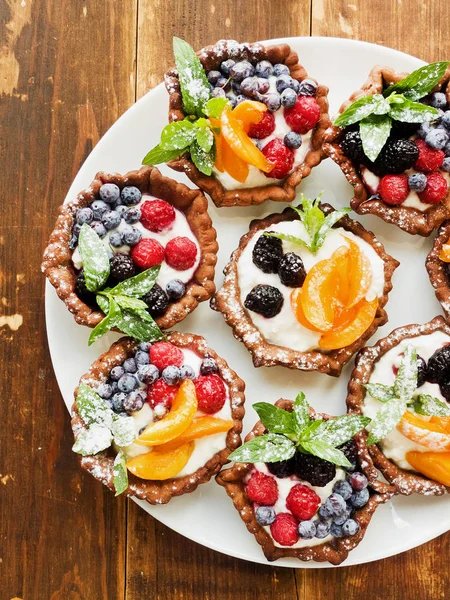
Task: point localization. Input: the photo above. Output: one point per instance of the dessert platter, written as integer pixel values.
(295, 409)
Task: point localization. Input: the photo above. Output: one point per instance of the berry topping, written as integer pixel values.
(350, 527)
(304, 115)
(211, 393)
(175, 289)
(129, 365)
(336, 530)
(285, 82)
(115, 239)
(181, 253)
(208, 366)
(82, 292)
(417, 182)
(109, 193)
(84, 215)
(439, 365)
(262, 489)
(302, 501)
(322, 529)
(403, 130)
(161, 393)
(117, 402)
(280, 69)
(308, 87)
(343, 488)
(134, 401)
(315, 470)
(267, 253)
(359, 498)
(121, 267)
(288, 98)
(147, 253)
(334, 506)
(437, 139)
(393, 189)
(157, 215)
(280, 156)
(422, 371)
(264, 69)
(241, 70)
(147, 374)
(266, 300)
(171, 375)
(272, 101)
(358, 481)
(111, 219)
(265, 515)
(104, 390)
(116, 373)
(350, 452)
(284, 529)
(293, 140)
(438, 100)
(396, 157)
(291, 270)
(226, 66)
(132, 215)
(187, 372)
(264, 128)
(156, 300)
(429, 159)
(282, 468)
(163, 354)
(446, 164)
(99, 208)
(141, 357)
(130, 195)
(307, 530)
(435, 190)
(352, 147)
(131, 235)
(127, 383)
(99, 228)
(445, 389)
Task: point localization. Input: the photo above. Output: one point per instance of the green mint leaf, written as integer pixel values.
(177, 135)
(375, 131)
(310, 214)
(130, 303)
(204, 161)
(288, 238)
(314, 429)
(380, 392)
(329, 221)
(123, 430)
(215, 106)
(419, 82)
(139, 325)
(103, 302)
(194, 84)
(342, 429)
(430, 406)
(412, 112)
(300, 413)
(406, 379)
(386, 420)
(158, 155)
(326, 452)
(92, 408)
(93, 440)
(362, 108)
(139, 285)
(274, 419)
(271, 447)
(120, 473)
(205, 138)
(94, 258)
(106, 324)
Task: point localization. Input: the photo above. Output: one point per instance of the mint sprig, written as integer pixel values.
(290, 432)
(431, 407)
(419, 82)
(194, 84)
(94, 257)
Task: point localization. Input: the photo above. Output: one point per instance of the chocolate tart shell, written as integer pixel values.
(409, 219)
(437, 270)
(57, 262)
(335, 551)
(227, 301)
(211, 57)
(160, 492)
(373, 460)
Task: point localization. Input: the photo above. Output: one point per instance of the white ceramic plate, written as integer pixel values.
(207, 516)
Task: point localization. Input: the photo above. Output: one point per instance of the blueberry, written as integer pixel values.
(142, 358)
(417, 182)
(438, 100)
(147, 374)
(336, 505)
(218, 93)
(241, 70)
(99, 228)
(446, 165)
(116, 373)
(437, 139)
(307, 87)
(325, 511)
(171, 375)
(145, 346)
(288, 98)
(130, 235)
(73, 242)
(130, 195)
(307, 530)
(121, 209)
(272, 101)
(263, 85)
(358, 481)
(236, 87)
(280, 69)
(104, 390)
(98, 209)
(232, 100)
(109, 193)
(117, 402)
(445, 119)
(424, 130)
(129, 365)
(127, 383)
(132, 215)
(85, 215)
(226, 66)
(447, 150)
(111, 219)
(336, 530)
(187, 372)
(265, 515)
(343, 488)
(322, 529)
(340, 520)
(292, 139)
(249, 87)
(134, 401)
(114, 386)
(223, 83)
(208, 366)
(175, 289)
(360, 498)
(264, 69)
(76, 229)
(240, 98)
(115, 239)
(214, 76)
(284, 82)
(350, 527)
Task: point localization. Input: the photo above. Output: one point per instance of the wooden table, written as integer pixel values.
(68, 70)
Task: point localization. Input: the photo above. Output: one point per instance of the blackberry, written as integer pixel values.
(439, 366)
(445, 389)
(351, 454)
(421, 371)
(157, 301)
(403, 130)
(266, 300)
(283, 468)
(82, 292)
(121, 267)
(397, 156)
(313, 469)
(352, 147)
(291, 270)
(267, 253)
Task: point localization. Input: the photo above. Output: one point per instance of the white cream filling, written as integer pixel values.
(395, 445)
(284, 329)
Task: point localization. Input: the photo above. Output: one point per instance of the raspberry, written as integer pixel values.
(157, 215)
(393, 189)
(435, 190)
(284, 529)
(147, 253)
(161, 393)
(262, 489)
(181, 253)
(281, 156)
(264, 128)
(304, 115)
(211, 393)
(163, 354)
(429, 159)
(302, 501)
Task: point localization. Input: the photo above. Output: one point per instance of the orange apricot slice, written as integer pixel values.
(297, 308)
(350, 332)
(233, 165)
(159, 465)
(176, 421)
(249, 113)
(435, 465)
(443, 421)
(359, 274)
(218, 163)
(431, 434)
(444, 254)
(200, 428)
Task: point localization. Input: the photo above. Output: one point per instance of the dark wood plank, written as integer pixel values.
(67, 73)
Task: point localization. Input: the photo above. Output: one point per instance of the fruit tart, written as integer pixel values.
(139, 248)
(156, 420)
(246, 121)
(297, 483)
(306, 288)
(392, 142)
(403, 384)
(438, 267)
